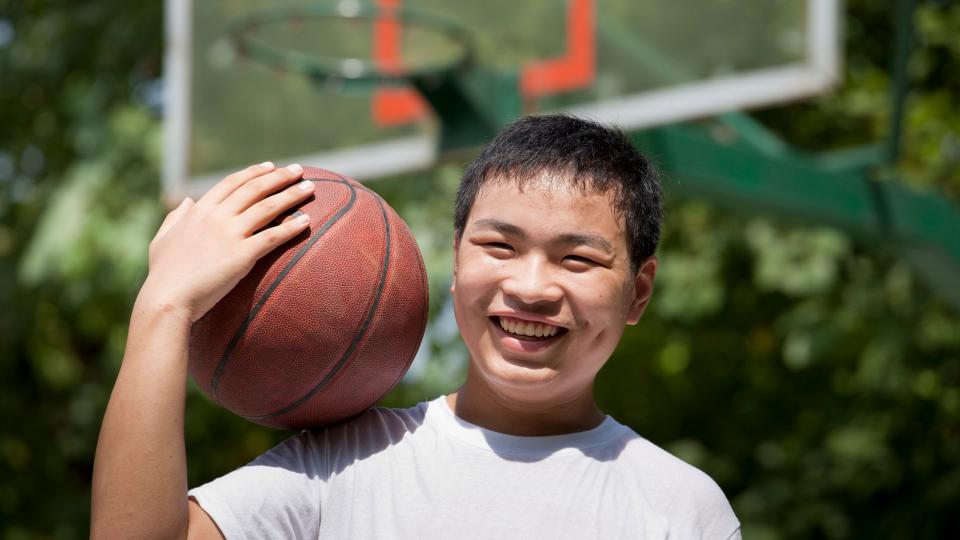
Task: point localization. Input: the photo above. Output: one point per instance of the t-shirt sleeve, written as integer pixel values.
(277, 495)
(691, 502)
(711, 511)
(735, 535)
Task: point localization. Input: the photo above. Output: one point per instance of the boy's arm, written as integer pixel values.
(201, 526)
(200, 253)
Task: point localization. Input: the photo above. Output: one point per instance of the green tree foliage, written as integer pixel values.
(814, 377)
(78, 192)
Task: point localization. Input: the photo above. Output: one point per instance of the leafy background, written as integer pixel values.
(815, 378)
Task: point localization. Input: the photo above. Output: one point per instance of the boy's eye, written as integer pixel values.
(578, 262)
(499, 247)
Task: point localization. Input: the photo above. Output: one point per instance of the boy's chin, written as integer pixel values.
(520, 381)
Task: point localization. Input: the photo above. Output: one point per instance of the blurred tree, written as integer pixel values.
(78, 192)
(815, 379)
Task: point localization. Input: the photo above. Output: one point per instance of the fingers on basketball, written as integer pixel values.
(259, 188)
(270, 238)
(231, 183)
(260, 214)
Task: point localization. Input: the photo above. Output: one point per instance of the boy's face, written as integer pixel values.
(548, 261)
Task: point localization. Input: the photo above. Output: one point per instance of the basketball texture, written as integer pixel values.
(323, 326)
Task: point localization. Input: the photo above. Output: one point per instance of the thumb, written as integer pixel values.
(174, 216)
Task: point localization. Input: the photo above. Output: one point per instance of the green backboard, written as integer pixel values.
(635, 63)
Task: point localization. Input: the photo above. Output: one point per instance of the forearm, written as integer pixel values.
(201, 251)
(140, 470)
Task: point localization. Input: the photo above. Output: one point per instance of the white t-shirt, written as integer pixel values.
(423, 473)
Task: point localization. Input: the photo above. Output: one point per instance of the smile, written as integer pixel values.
(528, 329)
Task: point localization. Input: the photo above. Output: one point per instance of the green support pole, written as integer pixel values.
(744, 177)
(903, 25)
(461, 123)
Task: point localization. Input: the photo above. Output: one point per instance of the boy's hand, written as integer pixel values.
(204, 248)
(200, 253)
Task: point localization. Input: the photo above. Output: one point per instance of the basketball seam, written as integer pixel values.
(348, 353)
(423, 321)
(425, 298)
(225, 358)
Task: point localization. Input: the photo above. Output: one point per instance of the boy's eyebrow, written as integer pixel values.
(589, 240)
(500, 226)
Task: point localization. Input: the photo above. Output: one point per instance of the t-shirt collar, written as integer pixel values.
(447, 422)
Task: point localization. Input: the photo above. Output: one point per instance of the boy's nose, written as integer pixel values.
(532, 283)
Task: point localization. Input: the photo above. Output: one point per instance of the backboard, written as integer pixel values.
(635, 63)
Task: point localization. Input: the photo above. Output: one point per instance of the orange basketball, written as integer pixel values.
(325, 325)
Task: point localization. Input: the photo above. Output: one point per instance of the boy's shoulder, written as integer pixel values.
(369, 432)
(623, 448)
(657, 470)
(671, 484)
(426, 445)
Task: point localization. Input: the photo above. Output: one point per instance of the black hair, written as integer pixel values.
(589, 156)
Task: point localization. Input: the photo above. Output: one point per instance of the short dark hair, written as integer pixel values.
(588, 155)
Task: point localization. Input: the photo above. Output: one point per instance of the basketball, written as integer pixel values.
(325, 325)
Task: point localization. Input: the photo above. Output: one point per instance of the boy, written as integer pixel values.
(557, 222)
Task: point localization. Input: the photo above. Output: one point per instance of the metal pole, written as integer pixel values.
(903, 43)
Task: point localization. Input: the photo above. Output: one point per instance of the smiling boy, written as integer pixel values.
(556, 226)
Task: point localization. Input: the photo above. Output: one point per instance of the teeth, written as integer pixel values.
(525, 328)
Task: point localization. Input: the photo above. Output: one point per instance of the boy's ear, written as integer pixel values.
(456, 251)
(643, 289)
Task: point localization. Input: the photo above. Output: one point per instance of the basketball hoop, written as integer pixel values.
(348, 74)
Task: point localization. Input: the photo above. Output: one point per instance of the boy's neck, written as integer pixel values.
(475, 404)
